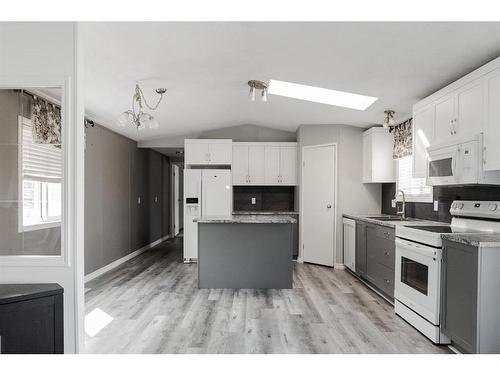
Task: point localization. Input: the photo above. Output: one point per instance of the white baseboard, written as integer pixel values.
(339, 266)
(122, 260)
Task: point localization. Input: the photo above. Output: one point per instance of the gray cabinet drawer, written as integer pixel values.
(385, 252)
(385, 233)
(382, 277)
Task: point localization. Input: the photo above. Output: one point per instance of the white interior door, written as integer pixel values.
(318, 204)
(176, 200)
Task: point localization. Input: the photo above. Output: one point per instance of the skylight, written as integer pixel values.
(320, 95)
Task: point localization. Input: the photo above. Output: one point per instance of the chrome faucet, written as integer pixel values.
(402, 212)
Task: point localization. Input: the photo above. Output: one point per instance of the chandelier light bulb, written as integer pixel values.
(264, 95)
(125, 119)
(154, 124)
(252, 94)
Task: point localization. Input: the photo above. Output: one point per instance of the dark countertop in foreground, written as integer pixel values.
(474, 239)
(391, 223)
(19, 292)
(247, 219)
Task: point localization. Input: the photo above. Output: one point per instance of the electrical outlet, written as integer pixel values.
(393, 203)
(436, 206)
(254, 201)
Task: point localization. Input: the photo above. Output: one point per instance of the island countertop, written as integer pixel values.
(247, 219)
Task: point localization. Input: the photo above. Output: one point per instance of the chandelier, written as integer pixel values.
(257, 85)
(135, 116)
(388, 119)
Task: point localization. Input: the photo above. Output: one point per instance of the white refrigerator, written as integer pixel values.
(207, 192)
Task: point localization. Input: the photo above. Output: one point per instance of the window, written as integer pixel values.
(40, 186)
(415, 189)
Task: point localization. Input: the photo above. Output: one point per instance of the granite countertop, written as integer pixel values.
(247, 219)
(265, 213)
(474, 239)
(390, 223)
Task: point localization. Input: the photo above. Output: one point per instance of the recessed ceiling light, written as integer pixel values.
(320, 95)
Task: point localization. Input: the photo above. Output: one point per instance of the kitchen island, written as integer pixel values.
(245, 251)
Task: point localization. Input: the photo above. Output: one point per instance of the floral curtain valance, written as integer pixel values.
(403, 139)
(46, 122)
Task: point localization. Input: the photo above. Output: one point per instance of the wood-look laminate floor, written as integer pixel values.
(157, 307)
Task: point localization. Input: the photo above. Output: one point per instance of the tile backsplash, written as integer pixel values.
(266, 198)
(445, 195)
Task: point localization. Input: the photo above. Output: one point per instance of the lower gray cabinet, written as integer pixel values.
(375, 256)
(360, 248)
(459, 275)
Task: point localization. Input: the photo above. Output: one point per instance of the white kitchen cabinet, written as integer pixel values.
(464, 108)
(349, 236)
(208, 151)
(272, 164)
(378, 164)
(248, 164)
(492, 123)
(288, 165)
(423, 136)
(444, 118)
(470, 106)
(281, 165)
(240, 164)
(256, 165)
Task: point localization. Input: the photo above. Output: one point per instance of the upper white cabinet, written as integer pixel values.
(423, 136)
(288, 165)
(248, 164)
(378, 164)
(467, 106)
(208, 152)
(264, 163)
(492, 122)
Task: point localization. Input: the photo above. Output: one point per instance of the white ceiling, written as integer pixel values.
(205, 67)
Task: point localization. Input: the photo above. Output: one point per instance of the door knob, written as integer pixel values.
(328, 206)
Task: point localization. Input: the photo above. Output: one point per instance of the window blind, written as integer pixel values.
(41, 162)
(415, 187)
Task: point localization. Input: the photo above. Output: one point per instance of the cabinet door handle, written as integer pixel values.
(386, 253)
(387, 281)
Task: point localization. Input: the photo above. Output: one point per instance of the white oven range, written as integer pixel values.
(418, 263)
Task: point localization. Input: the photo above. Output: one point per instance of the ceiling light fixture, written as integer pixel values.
(135, 116)
(257, 85)
(388, 118)
(320, 95)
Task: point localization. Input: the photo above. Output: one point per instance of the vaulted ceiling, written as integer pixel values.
(206, 66)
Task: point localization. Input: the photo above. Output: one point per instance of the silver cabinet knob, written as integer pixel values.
(328, 206)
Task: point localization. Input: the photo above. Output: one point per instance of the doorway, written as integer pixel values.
(318, 208)
(177, 199)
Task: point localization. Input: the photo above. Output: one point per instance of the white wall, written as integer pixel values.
(353, 196)
(31, 53)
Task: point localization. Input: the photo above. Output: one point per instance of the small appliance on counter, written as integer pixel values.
(207, 192)
(419, 251)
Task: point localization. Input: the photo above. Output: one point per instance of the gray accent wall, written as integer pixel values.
(352, 196)
(125, 190)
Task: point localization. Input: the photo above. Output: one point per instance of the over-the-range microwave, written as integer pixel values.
(459, 162)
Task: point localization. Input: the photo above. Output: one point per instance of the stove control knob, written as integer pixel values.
(492, 207)
(454, 205)
(460, 206)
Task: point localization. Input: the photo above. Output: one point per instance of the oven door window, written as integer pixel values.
(415, 275)
(441, 167)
